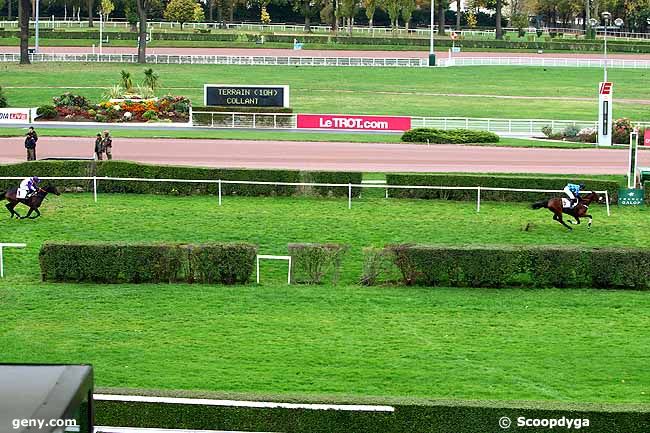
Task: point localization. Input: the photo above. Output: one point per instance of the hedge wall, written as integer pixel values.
(448, 136)
(495, 181)
(475, 266)
(422, 417)
(136, 170)
(146, 263)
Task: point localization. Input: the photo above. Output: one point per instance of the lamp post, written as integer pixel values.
(36, 27)
(101, 33)
(432, 55)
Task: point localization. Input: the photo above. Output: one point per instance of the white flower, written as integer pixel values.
(128, 115)
(587, 131)
(117, 107)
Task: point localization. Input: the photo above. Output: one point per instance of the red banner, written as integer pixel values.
(646, 137)
(352, 122)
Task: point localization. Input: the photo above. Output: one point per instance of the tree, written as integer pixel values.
(131, 14)
(348, 10)
(150, 79)
(392, 7)
(458, 6)
(143, 10)
(91, 6)
(408, 6)
(107, 7)
(306, 8)
(24, 12)
(371, 6)
(199, 14)
(181, 11)
(499, 30)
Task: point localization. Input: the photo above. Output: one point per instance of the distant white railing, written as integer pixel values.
(349, 186)
(221, 60)
(545, 62)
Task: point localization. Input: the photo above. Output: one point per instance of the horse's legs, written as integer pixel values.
(11, 207)
(558, 218)
(38, 213)
(590, 218)
(31, 209)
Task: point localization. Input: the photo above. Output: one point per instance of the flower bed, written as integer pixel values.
(69, 107)
(620, 133)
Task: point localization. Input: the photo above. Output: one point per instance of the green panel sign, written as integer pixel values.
(630, 197)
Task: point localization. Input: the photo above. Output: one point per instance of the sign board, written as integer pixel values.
(352, 122)
(226, 95)
(630, 197)
(605, 90)
(646, 137)
(14, 115)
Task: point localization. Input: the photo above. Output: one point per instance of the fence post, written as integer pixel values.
(349, 196)
(478, 199)
(95, 188)
(219, 192)
(607, 202)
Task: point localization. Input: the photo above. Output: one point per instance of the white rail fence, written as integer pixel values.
(349, 186)
(528, 127)
(221, 60)
(545, 62)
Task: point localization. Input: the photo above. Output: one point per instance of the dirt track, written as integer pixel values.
(337, 156)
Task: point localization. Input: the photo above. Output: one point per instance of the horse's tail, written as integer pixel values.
(540, 204)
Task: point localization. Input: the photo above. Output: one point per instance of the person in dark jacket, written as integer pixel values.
(30, 144)
(99, 147)
(107, 144)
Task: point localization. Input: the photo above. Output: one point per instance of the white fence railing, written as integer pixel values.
(545, 62)
(349, 186)
(221, 60)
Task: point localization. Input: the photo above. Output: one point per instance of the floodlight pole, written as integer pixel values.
(101, 34)
(432, 55)
(36, 27)
(605, 70)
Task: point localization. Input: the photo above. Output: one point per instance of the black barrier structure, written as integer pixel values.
(225, 95)
(46, 398)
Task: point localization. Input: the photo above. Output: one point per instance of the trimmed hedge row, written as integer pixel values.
(427, 416)
(337, 177)
(144, 263)
(494, 181)
(475, 266)
(136, 170)
(448, 136)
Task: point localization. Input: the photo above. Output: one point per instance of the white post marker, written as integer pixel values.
(605, 91)
(219, 192)
(270, 257)
(349, 196)
(95, 188)
(10, 245)
(478, 199)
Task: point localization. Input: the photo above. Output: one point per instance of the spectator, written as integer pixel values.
(99, 149)
(107, 144)
(30, 144)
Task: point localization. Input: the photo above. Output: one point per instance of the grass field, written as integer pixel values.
(463, 91)
(564, 345)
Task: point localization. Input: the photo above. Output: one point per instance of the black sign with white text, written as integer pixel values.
(246, 96)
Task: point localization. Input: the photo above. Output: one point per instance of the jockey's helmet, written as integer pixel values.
(36, 179)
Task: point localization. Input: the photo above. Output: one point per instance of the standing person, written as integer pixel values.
(107, 144)
(30, 144)
(99, 148)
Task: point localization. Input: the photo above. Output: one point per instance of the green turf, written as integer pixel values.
(564, 345)
(399, 91)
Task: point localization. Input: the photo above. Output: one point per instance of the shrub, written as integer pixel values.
(588, 135)
(495, 181)
(101, 117)
(312, 262)
(547, 131)
(150, 115)
(47, 112)
(571, 131)
(142, 263)
(451, 136)
(70, 100)
(222, 263)
(477, 266)
(3, 99)
(621, 131)
(377, 262)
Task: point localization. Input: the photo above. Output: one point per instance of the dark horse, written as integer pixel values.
(579, 211)
(33, 202)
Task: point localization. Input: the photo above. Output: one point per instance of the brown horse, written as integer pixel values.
(33, 202)
(579, 211)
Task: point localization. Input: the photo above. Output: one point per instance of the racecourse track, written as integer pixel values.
(367, 157)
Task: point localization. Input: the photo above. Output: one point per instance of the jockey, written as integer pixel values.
(28, 187)
(573, 192)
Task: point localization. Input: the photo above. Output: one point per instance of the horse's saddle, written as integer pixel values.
(566, 203)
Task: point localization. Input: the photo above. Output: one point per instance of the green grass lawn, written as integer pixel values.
(398, 91)
(346, 340)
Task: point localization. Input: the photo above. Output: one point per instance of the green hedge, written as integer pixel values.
(136, 170)
(146, 263)
(494, 181)
(448, 136)
(476, 266)
(337, 177)
(408, 417)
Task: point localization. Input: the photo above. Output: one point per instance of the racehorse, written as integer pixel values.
(579, 211)
(33, 202)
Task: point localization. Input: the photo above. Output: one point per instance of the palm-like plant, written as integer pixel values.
(150, 79)
(113, 92)
(127, 84)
